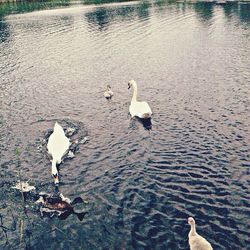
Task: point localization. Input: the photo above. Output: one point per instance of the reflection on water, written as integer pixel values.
(147, 123)
(103, 16)
(204, 10)
(4, 32)
(192, 65)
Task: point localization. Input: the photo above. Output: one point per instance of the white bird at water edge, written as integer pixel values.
(58, 146)
(139, 109)
(197, 242)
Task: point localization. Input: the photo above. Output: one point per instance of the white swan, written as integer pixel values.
(197, 242)
(139, 109)
(58, 146)
(108, 93)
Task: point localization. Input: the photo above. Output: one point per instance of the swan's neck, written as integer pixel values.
(134, 97)
(59, 131)
(54, 169)
(192, 231)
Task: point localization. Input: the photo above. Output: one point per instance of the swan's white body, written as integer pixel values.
(58, 146)
(139, 109)
(108, 93)
(197, 242)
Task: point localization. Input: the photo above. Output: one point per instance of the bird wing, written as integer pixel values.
(199, 243)
(58, 146)
(140, 109)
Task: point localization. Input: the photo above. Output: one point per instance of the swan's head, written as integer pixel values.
(54, 173)
(131, 83)
(56, 178)
(191, 221)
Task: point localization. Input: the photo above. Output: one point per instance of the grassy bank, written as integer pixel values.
(11, 7)
(20, 6)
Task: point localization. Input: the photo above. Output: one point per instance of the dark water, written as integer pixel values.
(191, 63)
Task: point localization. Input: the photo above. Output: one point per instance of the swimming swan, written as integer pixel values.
(108, 93)
(139, 109)
(58, 145)
(197, 242)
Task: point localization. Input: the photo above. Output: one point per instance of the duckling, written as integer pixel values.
(108, 93)
(59, 205)
(197, 242)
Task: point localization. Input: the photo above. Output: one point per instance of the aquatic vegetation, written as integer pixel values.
(7, 7)
(24, 186)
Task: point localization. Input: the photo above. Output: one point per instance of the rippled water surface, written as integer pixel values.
(191, 63)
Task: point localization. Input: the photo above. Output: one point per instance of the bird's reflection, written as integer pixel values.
(146, 123)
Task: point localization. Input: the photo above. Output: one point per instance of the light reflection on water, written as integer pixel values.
(191, 63)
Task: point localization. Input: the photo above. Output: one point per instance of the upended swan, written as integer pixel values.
(108, 93)
(139, 109)
(197, 242)
(58, 146)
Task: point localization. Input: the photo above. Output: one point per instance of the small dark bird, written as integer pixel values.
(59, 205)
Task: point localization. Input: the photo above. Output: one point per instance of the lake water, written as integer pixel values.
(191, 62)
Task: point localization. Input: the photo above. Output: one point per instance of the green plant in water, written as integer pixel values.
(17, 152)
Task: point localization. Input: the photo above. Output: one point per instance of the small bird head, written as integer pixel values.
(40, 200)
(108, 87)
(131, 83)
(191, 221)
(56, 179)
